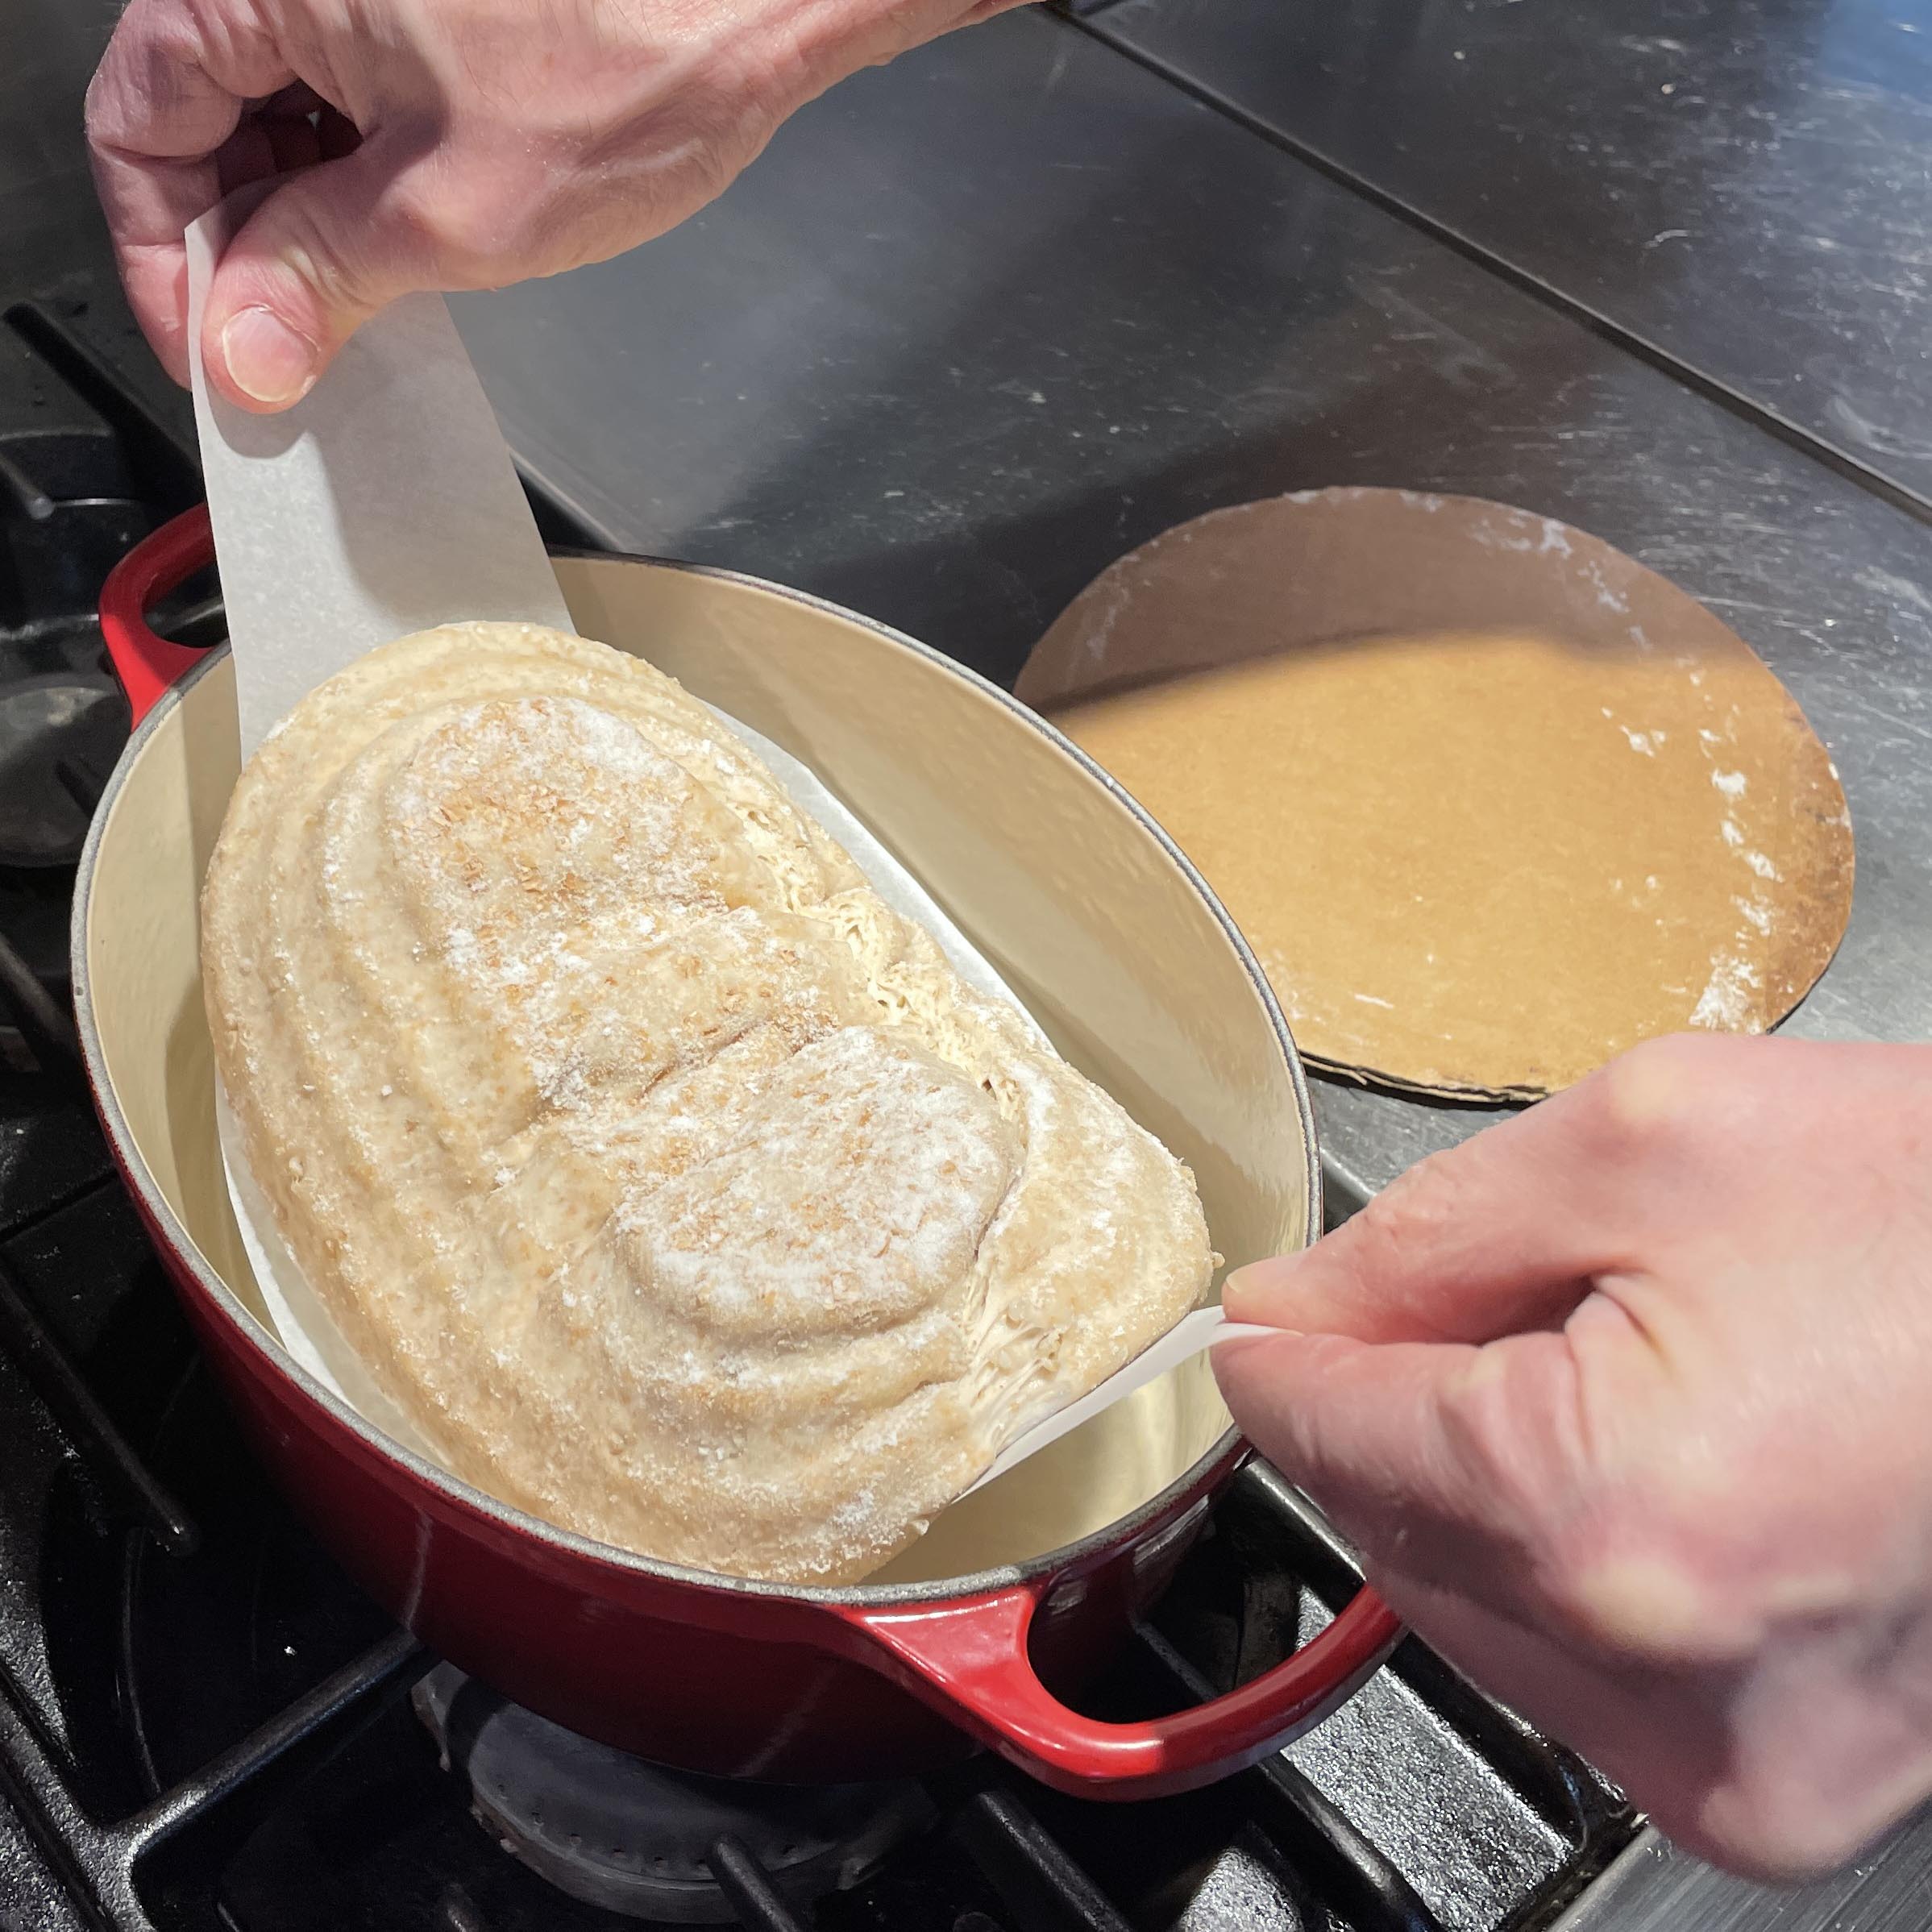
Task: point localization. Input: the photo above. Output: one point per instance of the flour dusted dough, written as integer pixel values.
(674, 1186)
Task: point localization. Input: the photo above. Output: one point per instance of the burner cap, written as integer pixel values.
(59, 739)
(635, 1838)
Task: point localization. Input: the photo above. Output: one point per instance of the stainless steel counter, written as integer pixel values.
(1654, 1888)
(1742, 184)
(981, 320)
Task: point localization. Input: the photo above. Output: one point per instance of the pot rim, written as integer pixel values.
(135, 1170)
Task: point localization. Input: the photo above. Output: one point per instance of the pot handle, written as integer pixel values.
(970, 1661)
(146, 665)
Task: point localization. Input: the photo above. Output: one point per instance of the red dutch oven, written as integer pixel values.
(1119, 948)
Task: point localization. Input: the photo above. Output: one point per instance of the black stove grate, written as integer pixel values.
(332, 1812)
(203, 1724)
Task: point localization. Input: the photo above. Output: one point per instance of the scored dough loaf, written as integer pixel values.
(670, 1183)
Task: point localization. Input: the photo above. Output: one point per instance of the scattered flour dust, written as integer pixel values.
(1730, 999)
(1725, 1005)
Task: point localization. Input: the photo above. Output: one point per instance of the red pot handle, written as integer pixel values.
(970, 1660)
(148, 665)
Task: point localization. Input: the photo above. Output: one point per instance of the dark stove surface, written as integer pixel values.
(204, 1724)
(84, 473)
(160, 1633)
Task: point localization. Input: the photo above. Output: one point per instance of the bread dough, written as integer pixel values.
(1480, 861)
(674, 1187)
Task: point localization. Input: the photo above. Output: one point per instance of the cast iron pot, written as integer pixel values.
(1119, 948)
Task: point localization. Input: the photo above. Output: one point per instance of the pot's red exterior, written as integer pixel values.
(713, 1679)
(708, 1674)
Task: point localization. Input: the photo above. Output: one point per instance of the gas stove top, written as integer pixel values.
(203, 1723)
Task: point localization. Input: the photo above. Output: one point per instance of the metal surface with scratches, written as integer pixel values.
(1058, 306)
(1742, 184)
(1654, 1888)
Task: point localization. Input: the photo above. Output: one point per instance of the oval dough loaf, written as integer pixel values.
(671, 1185)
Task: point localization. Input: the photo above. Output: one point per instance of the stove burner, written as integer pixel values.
(59, 739)
(635, 1838)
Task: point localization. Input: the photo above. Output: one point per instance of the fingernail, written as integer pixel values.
(1251, 1335)
(266, 359)
(1257, 1281)
(1269, 1268)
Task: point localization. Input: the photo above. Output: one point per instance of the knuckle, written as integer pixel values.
(1641, 1604)
(105, 116)
(1619, 1558)
(444, 229)
(1659, 1089)
(318, 258)
(1487, 1421)
(1641, 1570)
(1415, 1211)
(100, 110)
(95, 114)
(476, 226)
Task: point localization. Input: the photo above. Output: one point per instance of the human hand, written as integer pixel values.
(435, 144)
(1628, 1403)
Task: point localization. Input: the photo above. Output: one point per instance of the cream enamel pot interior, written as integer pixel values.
(1115, 943)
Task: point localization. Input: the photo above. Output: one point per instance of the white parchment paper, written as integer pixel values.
(386, 502)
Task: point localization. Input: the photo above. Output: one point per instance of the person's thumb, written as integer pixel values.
(320, 256)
